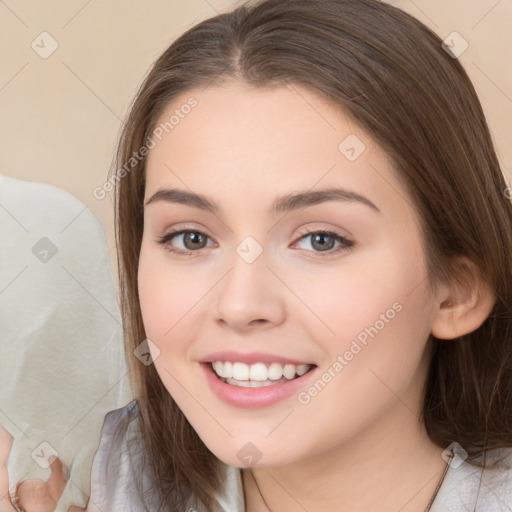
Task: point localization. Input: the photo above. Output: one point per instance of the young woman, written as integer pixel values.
(314, 238)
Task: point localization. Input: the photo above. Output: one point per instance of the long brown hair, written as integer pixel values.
(392, 75)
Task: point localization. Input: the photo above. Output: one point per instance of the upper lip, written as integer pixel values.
(250, 358)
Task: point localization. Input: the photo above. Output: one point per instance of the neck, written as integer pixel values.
(390, 465)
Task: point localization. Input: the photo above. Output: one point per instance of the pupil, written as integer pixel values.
(193, 237)
(322, 245)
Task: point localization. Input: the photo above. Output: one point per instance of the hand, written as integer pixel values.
(5, 448)
(34, 495)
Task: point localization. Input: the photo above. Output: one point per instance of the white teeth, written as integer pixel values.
(218, 368)
(223, 369)
(302, 369)
(275, 371)
(240, 371)
(258, 372)
(289, 371)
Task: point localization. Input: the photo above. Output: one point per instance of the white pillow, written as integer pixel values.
(62, 365)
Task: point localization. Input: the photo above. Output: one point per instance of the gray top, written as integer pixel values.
(464, 488)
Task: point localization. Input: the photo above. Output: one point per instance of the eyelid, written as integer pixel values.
(302, 231)
(180, 229)
(346, 242)
(322, 229)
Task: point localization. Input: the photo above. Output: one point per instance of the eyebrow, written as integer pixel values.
(287, 203)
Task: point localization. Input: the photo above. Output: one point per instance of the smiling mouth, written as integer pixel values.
(259, 374)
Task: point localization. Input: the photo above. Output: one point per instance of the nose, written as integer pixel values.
(250, 296)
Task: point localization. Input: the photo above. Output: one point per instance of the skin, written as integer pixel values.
(34, 495)
(358, 445)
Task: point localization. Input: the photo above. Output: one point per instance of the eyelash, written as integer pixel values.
(346, 243)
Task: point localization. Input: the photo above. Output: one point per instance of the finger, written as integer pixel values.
(57, 481)
(4, 484)
(5, 445)
(73, 509)
(6, 506)
(4, 487)
(5, 499)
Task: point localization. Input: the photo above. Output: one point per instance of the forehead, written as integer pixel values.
(235, 114)
(250, 141)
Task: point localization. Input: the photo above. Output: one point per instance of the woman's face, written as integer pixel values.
(334, 283)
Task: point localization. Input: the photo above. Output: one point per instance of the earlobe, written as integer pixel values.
(463, 310)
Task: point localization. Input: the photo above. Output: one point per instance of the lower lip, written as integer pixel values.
(253, 398)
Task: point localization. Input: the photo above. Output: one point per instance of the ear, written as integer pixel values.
(462, 308)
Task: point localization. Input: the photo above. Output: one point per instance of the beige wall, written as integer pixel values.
(60, 116)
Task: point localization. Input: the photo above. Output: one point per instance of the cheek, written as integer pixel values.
(172, 301)
(364, 291)
(165, 302)
(376, 322)
(166, 295)
(379, 315)
(371, 367)
(154, 297)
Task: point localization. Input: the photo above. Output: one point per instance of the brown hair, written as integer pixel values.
(391, 74)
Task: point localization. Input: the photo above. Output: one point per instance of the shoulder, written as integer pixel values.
(113, 478)
(117, 463)
(118, 420)
(474, 488)
(120, 428)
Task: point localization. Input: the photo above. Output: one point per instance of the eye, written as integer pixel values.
(193, 241)
(323, 242)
